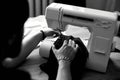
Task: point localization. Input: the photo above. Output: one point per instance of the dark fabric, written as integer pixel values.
(81, 3)
(77, 65)
(14, 74)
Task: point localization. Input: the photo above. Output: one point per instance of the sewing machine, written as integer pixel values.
(102, 25)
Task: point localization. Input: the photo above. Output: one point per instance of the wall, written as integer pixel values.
(117, 6)
(108, 5)
(96, 4)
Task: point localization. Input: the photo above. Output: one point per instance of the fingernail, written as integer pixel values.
(65, 40)
(70, 40)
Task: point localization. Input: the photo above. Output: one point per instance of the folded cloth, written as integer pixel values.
(77, 64)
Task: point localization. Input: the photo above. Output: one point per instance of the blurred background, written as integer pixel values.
(37, 7)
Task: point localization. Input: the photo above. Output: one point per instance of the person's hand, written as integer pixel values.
(67, 51)
(50, 32)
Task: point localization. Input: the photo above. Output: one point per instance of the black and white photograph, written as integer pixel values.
(60, 40)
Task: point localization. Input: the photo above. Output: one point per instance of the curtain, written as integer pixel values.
(37, 7)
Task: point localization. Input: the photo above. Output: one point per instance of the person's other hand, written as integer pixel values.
(67, 50)
(50, 32)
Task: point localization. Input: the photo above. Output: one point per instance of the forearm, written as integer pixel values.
(29, 43)
(64, 71)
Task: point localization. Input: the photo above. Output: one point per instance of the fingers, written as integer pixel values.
(50, 32)
(73, 44)
(69, 42)
(54, 49)
(68, 49)
(64, 43)
(56, 33)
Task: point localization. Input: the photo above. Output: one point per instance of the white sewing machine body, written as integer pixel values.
(101, 24)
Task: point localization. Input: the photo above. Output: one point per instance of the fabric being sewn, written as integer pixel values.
(77, 65)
